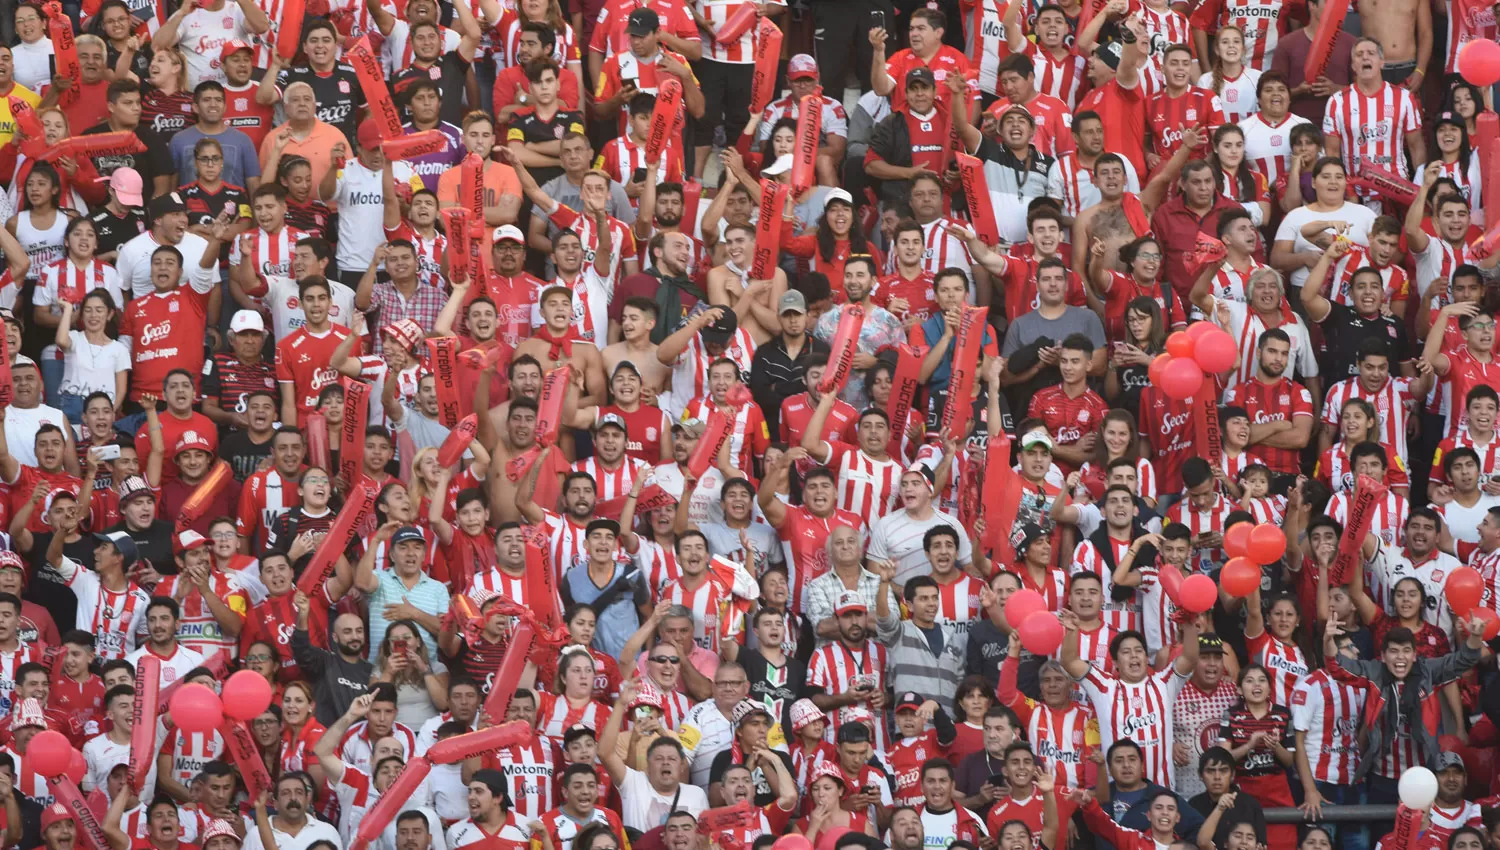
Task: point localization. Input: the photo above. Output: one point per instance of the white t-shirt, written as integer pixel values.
(1463, 522)
(360, 197)
(642, 808)
(134, 261)
(1238, 97)
(173, 667)
(898, 537)
(101, 755)
(33, 63)
(202, 35)
(92, 368)
(21, 425)
(1359, 217)
(312, 832)
(286, 307)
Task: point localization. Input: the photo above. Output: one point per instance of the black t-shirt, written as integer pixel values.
(1345, 331)
(527, 127)
(47, 587)
(204, 206)
(140, 62)
(116, 230)
(244, 454)
(155, 162)
(775, 685)
(337, 93)
(153, 543)
(451, 73)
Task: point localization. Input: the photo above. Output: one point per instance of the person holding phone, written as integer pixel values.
(641, 69)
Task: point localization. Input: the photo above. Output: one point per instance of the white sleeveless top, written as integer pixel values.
(44, 247)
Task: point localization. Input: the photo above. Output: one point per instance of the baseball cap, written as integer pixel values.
(791, 301)
(556, 287)
(165, 204)
(55, 813)
(1037, 437)
(127, 184)
(691, 427)
(247, 320)
(216, 828)
(368, 135)
(120, 540)
(1449, 118)
(408, 533)
(909, 701)
(611, 420)
(134, 486)
(1029, 533)
(837, 194)
(576, 731)
(801, 66)
(782, 165)
(1210, 643)
(508, 231)
(1109, 53)
(642, 21)
(721, 330)
(232, 47)
(1445, 759)
(921, 74)
(623, 365)
(192, 440)
(803, 712)
(850, 602)
(1004, 106)
(189, 540)
(406, 332)
(28, 713)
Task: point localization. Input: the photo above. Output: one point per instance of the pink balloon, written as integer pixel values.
(1021, 605)
(792, 842)
(247, 695)
(1479, 62)
(49, 753)
(196, 708)
(1181, 378)
(1215, 351)
(1158, 365)
(1042, 633)
(1197, 593)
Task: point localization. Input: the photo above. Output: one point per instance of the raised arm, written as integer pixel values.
(526, 492)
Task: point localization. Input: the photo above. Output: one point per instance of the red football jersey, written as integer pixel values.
(302, 360)
(1284, 399)
(166, 332)
(1169, 116)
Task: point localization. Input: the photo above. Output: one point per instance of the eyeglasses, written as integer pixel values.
(665, 659)
(1149, 257)
(224, 535)
(314, 479)
(209, 158)
(1481, 326)
(735, 684)
(257, 659)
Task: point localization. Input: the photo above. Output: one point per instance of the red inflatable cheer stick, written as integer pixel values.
(143, 719)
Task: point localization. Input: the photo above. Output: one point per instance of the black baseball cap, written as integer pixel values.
(921, 74)
(642, 21)
(721, 330)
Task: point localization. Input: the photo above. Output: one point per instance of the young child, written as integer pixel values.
(809, 750)
(1255, 494)
(917, 743)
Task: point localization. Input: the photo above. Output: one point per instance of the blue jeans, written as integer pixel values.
(52, 375)
(1347, 836)
(71, 406)
(1381, 789)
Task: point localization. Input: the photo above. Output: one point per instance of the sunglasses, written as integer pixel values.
(665, 659)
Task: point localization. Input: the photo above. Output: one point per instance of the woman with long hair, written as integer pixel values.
(824, 794)
(1117, 441)
(41, 224)
(1358, 423)
(127, 56)
(757, 153)
(581, 622)
(1466, 100)
(1275, 640)
(1458, 161)
(94, 359)
(569, 698)
(81, 187)
(421, 685)
(1257, 731)
(166, 101)
(1237, 177)
(1229, 77)
(1145, 337)
(300, 730)
(260, 658)
(831, 242)
(304, 211)
(1406, 609)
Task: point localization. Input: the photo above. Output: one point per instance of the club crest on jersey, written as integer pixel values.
(1276, 140)
(173, 307)
(343, 86)
(1192, 115)
(1285, 399)
(241, 104)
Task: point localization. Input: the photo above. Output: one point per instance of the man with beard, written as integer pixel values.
(176, 658)
(337, 676)
(291, 826)
(804, 528)
(489, 822)
(851, 670)
(1418, 556)
(1280, 409)
(881, 329)
(670, 281)
(502, 191)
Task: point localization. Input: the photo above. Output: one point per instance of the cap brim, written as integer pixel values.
(132, 199)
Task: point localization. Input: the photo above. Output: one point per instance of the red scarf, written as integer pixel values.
(562, 345)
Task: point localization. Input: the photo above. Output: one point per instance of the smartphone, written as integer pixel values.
(398, 646)
(110, 452)
(638, 175)
(998, 780)
(633, 82)
(877, 19)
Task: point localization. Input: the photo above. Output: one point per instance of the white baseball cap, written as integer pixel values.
(782, 165)
(247, 320)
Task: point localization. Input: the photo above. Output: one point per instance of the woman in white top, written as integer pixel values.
(1307, 230)
(1230, 78)
(1459, 160)
(41, 223)
(33, 56)
(94, 360)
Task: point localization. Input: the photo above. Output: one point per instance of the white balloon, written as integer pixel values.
(1418, 787)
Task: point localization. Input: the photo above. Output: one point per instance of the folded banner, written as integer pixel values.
(1330, 24)
(352, 431)
(664, 117)
(1002, 499)
(1207, 440)
(71, 798)
(143, 720)
(715, 432)
(391, 803)
(1485, 243)
(246, 756)
(456, 223)
(372, 82)
(773, 197)
(7, 391)
(550, 404)
(977, 193)
(443, 360)
(737, 24)
(28, 123)
(739, 816)
(203, 495)
(507, 676)
(289, 27)
(315, 426)
(488, 740)
(541, 579)
(360, 502)
(458, 440)
(767, 58)
(842, 349)
(415, 145)
(1368, 494)
(1206, 251)
(122, 143)
(64, 51)
(968, 344)
(1390, 185)
(1487, 140)
(809, 133)
(905, 385)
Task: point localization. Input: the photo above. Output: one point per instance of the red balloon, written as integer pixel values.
(49, 753)
(1491, 622)
(1197, 593)
(1021, 605)
(1240, 577)
(738, 395)
(792, 842)
(829, 838)
(1042, 633)
(1237, 540)
(1181, 378)
(247, 694)
(1196, 330)
(1479, 62)
(1179, 344)
(77, 767)
(1267, 543)
(1171, 582)
(196, 708)
(1464, 588)
(1215, 351)
(1158, 365)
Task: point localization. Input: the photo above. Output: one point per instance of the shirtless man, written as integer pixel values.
(1108, 220)
(556, 343)
(637, 320)
(1404, 30)
(508, 448)
(754, 301)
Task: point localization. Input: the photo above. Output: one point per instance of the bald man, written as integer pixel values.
(338, 675)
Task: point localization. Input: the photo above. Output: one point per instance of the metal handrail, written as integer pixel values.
(1334, 814)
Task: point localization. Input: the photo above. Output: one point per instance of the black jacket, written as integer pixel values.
(335, 682)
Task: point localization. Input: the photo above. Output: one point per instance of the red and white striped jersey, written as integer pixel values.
(189, 752)
(1488, 566)
(1271, 509)
(1441, 259)
(495, 581)
(1164, 26)
(836, 669)
(1336, 288)
(1141, 711)
(659, 563)
(1489, 458)
(1465, 372)
(114, 618)
(867, 487)
(613, 483)
(507, 34)
(1269, 145)
(556, 715)
(431, 251)
(1086, 556)
(748, 436)
(1390, 409)
(1093, 647)
(1445, 820)
(738, 52)
(357, 746)
(1389, 523)
(1073, 183)
(834, 119)
(1233, 465)
(1257, 19)
(1468, 177)
(1467, 22)
(1372, 127)
(621, 238)
(804, 537)
(270, 253)
(1062, 738)
(65, 281)
(265, 496)
(690, 369)
(9, 661)
(1229, 282)
(1394, 563)
(1284, 661)
(709, 603)
(940, 249)
(197, 629)
(566, 542)
(1157, 609)
(1200, 522)
(958, 602)
(985, 40)
(1061, 78)
(622, 155)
